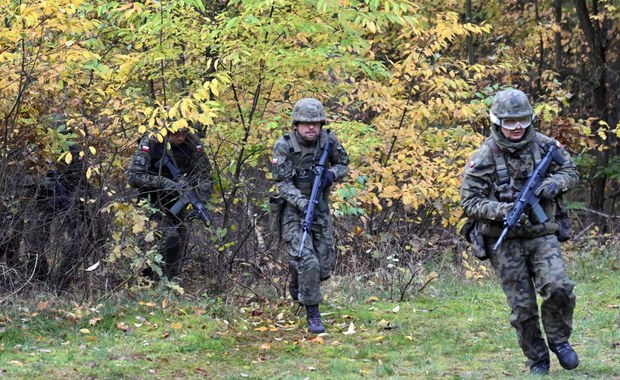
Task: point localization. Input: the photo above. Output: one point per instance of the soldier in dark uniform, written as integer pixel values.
(151, 176)
(294, 158)
(529, 260)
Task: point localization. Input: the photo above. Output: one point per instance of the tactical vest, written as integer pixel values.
(505, 189)
(304, 160)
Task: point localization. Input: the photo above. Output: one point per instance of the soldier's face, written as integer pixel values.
(513, 134)
(177, 138)
(309, 131)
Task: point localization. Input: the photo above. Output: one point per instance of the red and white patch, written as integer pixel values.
(559, 145)
(471, 164)
(274, 161)
(199, 148)
(145, 148)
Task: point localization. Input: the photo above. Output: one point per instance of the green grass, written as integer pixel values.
(453, 329)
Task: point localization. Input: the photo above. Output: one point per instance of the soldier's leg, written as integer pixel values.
(511, 267)
(324, 248)
(555, 288)
(172, 248)
(293, 286)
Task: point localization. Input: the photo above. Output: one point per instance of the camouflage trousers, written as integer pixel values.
(526, 267)
(316, 261)
(172, 244)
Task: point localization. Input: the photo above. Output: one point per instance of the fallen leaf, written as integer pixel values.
(16, 363)
(85, 331)
(396, 309)
(177, 325)
(93, 267)
(94, 321)
(350, 330)
(265, 346)
(372, 299)
(261, 329)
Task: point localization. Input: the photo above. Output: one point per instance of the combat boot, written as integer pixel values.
(313, 316)
(540, 368)
(566, 355)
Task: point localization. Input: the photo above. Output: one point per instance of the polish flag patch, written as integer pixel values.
(471, 164)
(199, 148)
(274, 161)
(145, 148)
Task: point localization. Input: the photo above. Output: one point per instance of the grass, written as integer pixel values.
(453, 329)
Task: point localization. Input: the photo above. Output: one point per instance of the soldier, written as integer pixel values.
(529, 259)
(294, 158)
(149, 173)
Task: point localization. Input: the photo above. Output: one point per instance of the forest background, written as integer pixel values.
(406, 87)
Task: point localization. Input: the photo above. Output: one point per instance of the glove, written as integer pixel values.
(167, 184)
(503, 209)
(328, 179)
(547, 189)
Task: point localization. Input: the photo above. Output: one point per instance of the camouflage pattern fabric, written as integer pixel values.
(293, 163)
(529, 260)
(513, 262)
(146, 173)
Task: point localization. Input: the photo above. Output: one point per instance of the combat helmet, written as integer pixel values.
(308, 110)
(511, 104)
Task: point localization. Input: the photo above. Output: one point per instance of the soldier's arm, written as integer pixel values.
(477, 188)
(566, 176)
(282, 171)
(338, 159)
(137, 173)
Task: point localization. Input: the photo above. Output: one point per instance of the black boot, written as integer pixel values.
(540, 368)
(566, 355)
(313, 316)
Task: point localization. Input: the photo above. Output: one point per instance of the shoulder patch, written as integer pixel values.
(145, 148)
(471, 164)
(199, 148)
(559, 145)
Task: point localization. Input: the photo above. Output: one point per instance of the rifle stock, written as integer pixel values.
(528, 197)
(315, 195)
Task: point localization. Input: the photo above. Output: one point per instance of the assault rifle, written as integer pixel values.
(315, 195)
(528, 198)
(188, 196)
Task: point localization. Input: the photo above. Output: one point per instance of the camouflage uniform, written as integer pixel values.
(149, 174)
(293, 170)
(529, 259)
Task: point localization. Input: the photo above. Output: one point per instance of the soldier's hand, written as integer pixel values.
(167, 184)
(503, 209)
(547, 189)
(328, 179)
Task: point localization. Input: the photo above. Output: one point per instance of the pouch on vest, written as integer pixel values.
(276, 207)
(565, 229)
(471, 232)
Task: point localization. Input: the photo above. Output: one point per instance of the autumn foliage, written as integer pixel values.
(396, 77)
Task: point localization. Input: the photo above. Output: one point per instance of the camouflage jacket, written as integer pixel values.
(293, 166)
(482, 195)
(147, 168)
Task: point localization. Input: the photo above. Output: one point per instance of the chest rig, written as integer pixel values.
(507, 188)
(304, 160)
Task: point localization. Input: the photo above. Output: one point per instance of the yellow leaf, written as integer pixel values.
(68, 158)
(85, 331)
(16, 363)
(372, 299)
(89, 172)
(92, 150)
(177, 325)
(261, 329)
(265, 346)
(350, 330)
